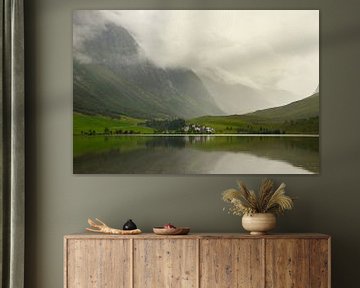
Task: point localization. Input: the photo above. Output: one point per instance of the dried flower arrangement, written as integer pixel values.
(246, 202)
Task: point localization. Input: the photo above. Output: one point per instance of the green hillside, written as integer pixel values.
(86, 123)
(302, 109)
(237, 124)
(300, 117)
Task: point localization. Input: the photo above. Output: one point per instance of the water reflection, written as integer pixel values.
(196, 155)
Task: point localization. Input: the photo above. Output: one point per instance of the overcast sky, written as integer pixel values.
(264, 49)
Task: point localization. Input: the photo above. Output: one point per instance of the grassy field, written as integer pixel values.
(251, 124)
(233, 124)
(84, 123)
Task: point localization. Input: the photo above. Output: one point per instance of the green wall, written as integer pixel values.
(59, 202)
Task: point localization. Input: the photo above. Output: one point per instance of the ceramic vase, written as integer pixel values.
(259, 223)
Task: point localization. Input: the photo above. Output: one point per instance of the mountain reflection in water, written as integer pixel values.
(196, 155)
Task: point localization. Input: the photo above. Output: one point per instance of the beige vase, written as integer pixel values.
(259, 223)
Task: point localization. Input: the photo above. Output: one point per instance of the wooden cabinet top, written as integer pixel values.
(200, 236)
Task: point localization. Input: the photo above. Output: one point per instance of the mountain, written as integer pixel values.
(117, 78)
(302, 109)
(300, 117)
(236, 98)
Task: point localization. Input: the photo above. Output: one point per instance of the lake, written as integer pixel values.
(196, 154)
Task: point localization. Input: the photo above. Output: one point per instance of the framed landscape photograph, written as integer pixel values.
(196, 92)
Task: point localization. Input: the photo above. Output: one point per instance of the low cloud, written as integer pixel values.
(264, 49)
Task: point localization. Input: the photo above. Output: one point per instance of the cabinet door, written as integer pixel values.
(287, 263)
(320, 263)
(165, 263)
(231, 263)
(98, 263)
